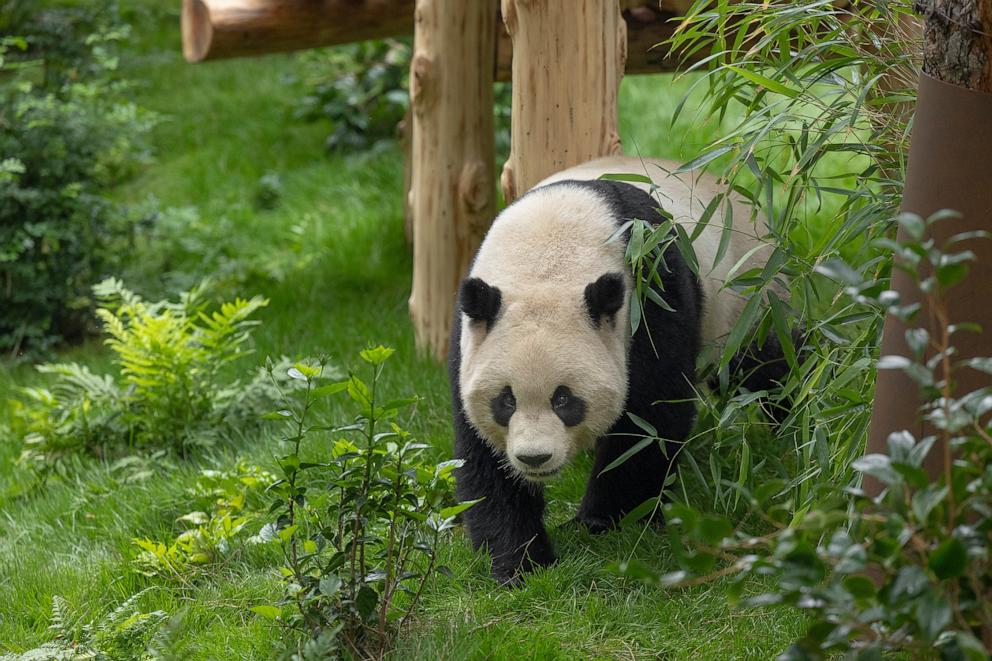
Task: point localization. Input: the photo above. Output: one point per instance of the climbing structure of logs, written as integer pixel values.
(453, 193)
(565, 57)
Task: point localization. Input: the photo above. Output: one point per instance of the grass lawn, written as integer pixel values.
(332, 258)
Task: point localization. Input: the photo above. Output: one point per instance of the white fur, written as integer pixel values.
(541, 252)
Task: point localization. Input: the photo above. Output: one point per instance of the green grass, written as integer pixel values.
(333, 260)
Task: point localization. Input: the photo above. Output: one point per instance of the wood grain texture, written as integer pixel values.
(569, 57)
(452, 191)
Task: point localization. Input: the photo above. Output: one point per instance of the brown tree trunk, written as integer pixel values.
(948, 169)
(568, 60)
(453, 184)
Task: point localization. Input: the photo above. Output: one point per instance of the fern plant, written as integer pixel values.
(169, 391)
(124, 633)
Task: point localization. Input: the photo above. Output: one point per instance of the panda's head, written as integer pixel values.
(544, 367)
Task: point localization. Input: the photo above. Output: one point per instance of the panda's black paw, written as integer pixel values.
(509, 572)
(596, 525)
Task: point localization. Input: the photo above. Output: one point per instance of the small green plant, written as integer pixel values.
(124, 633)
(909, 570)
(358, 526)
(231, 500)
(169, 391)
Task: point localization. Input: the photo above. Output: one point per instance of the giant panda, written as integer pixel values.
(543, 363)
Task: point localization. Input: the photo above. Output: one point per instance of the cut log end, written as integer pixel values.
(196, 29)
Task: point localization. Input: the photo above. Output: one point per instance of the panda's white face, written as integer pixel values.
(541, 377)
(543, 382)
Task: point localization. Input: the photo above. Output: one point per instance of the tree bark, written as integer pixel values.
(453, 184)
(948, 169)
(569, 57)
(957, 48)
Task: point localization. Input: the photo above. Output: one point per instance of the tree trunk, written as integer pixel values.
(453, 185)
(214, 29)
(948, 169)
(568, 60)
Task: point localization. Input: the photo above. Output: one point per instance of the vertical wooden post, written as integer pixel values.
(568, 59)
(452, 185)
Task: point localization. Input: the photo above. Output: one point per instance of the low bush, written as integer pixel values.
(359, 524)
(67, 132)
(170, 390)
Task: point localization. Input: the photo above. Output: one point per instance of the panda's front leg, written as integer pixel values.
(612, 494)
(509, 519)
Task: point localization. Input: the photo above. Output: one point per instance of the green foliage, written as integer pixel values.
(233, 499)
(909, 570)
(359, 526)
(65, 136)
(169, 391)
(361, 88)
(816, 152)
(124, 633)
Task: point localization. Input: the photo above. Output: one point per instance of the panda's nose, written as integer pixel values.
(533, 460)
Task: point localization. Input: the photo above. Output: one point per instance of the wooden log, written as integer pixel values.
(647, 27)
(218, 29)
(569, 59)
(215, 29)
(453, 184)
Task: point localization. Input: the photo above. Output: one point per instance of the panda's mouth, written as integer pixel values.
(542, 475)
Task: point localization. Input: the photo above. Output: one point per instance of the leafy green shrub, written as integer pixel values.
(64, 141)
(361, 88)
(359, 526)
(124, 633)
(909, 570)
(169, 392)
(233, 500)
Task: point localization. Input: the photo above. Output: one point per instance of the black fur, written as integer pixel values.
(569, 407)
(503, 406)
(479, 300)
(660, 390)
(605, 297)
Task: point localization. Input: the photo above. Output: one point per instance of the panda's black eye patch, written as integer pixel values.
(503, 405)
(568, 406)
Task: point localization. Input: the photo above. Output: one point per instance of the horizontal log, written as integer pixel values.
(218, 29)
(647, 26)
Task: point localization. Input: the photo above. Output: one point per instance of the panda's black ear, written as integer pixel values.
(604, 298)
(479, 300)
